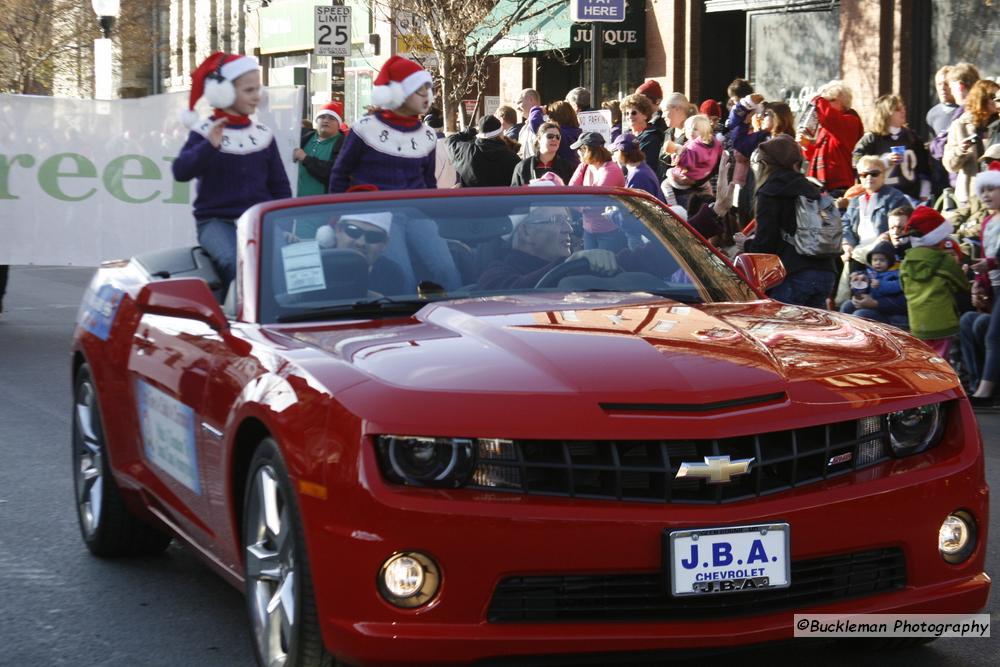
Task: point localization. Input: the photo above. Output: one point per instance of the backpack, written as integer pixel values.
(818, 231)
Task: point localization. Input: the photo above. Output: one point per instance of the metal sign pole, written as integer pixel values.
(596, 42)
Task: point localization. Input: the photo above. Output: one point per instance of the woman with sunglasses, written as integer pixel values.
(866, 220)
(545, 160)
(637, 111)
(562, 112)
(890, 139)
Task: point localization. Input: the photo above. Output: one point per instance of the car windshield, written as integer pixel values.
(368, 257)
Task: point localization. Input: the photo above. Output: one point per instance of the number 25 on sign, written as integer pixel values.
(333, 31)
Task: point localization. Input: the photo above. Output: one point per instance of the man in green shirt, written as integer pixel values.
(319, 150)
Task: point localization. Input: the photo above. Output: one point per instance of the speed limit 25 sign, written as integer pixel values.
(333, 31)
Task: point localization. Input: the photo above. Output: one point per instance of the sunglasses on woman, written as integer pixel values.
(553, 137)
(372, 236)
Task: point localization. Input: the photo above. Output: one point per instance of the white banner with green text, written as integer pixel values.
(83, 181)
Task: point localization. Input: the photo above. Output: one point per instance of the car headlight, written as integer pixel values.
(419, 461)
(915, 429)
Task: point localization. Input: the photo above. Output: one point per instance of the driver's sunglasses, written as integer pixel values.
(555, 219)
(371, 236)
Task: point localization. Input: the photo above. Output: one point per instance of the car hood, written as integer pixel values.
(627, 349)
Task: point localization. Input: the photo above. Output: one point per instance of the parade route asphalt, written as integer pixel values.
(64, 607)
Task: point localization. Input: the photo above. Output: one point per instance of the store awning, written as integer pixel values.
(548, 29)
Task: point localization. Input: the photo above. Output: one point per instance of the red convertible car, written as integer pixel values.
(434, 427)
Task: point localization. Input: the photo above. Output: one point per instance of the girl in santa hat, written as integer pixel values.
(234, 158)
(392, 148)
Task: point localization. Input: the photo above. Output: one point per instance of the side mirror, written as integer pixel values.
(763, 271)
(182, 297)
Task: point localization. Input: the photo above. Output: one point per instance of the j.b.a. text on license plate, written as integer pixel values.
(729, 560)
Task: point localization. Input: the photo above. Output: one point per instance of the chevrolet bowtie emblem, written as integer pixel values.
(715, 469)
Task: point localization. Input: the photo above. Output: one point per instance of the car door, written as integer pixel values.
(170, 361)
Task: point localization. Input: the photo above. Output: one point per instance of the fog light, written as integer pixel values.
(957, 537)
(408, 579)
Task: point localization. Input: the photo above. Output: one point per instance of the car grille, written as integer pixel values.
(646, 470)
(644, 597)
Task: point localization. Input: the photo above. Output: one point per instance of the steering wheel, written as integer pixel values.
(557, 273)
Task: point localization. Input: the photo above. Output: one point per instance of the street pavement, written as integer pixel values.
(61, 606)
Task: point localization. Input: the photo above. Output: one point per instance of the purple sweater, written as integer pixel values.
(385, 151)
(245, 170)
(642, 177)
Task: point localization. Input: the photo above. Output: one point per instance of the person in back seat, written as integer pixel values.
(367, 233)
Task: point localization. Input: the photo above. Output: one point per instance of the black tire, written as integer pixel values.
(107, 527)
(300, 641)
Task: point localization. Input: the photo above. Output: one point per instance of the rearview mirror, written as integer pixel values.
(182, 297)
(762, 270)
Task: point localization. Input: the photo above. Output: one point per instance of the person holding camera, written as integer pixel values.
(839, 130)
(970, 135)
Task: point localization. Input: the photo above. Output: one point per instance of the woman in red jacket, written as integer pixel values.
(840, 129)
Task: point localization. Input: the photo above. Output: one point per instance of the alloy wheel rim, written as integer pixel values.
(88, 460)
(270, 568)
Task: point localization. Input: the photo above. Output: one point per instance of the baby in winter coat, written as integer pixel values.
(876, 293)
(696, 162)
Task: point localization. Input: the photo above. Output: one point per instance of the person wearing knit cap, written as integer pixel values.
(391, 148)
(223, 146)
(482, 157)
(881, 296)
(931, 279)
(654, 93)
(319, 149)
(980, 331)
(713, 110)
(780, 184)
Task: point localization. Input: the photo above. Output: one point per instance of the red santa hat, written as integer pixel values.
(398, 79)
(926, 227)
(987, 179)
(214, 80)
(334, 109)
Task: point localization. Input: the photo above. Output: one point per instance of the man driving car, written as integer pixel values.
(541, 241)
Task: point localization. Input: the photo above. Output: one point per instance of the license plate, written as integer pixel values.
(729, 560)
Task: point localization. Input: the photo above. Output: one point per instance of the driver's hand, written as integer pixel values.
(602, 262)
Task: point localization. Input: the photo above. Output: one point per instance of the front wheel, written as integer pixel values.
(106, 525)
(280, 600)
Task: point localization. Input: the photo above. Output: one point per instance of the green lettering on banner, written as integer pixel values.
(114, 177)
(49, 174)
(6, 163)
(181, 194)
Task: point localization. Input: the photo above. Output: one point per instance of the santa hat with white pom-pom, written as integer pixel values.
(398, 79)
(214, 80)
